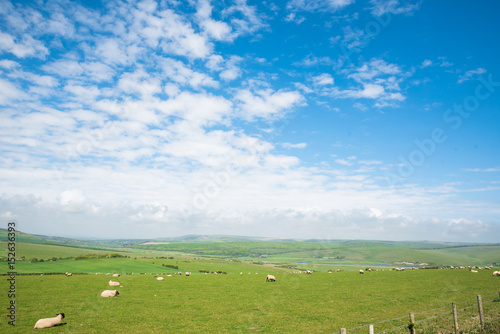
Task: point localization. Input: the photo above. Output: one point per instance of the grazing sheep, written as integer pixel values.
(116, 275)
(188, 273)
(50, 322)
(496, 273)
(111, 283)
(309, 272)
(110, 293)
(361, 271)
(270, 278)
(68, 274)
(160, 278)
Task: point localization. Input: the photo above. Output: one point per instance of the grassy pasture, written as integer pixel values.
(348, 252)
(42, 251)
(295, 303)
(111, 265)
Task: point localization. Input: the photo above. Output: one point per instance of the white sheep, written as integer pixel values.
(50, 322)
(473, 271)
(116, 275)
(110, 293)
(69, 274)
(361, 271)
(270, 278)
(188, 273)
(160, 278)
(111, 283)
(496, 273)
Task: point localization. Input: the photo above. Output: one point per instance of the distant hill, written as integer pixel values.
(114, 243)
(319, 251)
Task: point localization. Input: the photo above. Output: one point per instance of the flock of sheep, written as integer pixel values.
(57, 320)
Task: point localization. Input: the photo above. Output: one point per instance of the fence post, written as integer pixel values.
(412, 323)
(371, 330)
(455, 320)
(343, 331)
(480, 307)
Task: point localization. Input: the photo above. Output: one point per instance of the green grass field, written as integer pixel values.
(295, 303)
(42, 251)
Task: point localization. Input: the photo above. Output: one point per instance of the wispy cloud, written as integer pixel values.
(471, 75)
(426, 63)
(323, 79)
(486, 170)
(266, 104)
(381, 7)
(376, 80)
(289, 145)
(317, 5)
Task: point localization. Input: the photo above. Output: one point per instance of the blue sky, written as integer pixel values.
(340, 119)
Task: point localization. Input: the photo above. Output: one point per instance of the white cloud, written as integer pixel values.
(72, 200)
(381, 7)
(172, 33)
(26, 46)
(266, 104)
(8, 64)
(493, 169)
(9, 92)
(344, 162)
(217, 30)
(379, 81)
(289, 145)
(317, 5)
(312, 60)
(228, 68)
(165, 219)
(471, 75)
(178, 72)
(323, 79)
(244, 18)
(426, 63)
(360, 106)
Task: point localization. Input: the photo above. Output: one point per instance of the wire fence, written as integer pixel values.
(470, 315)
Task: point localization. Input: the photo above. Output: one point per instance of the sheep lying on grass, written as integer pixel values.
(50, 322)
(111, 283)
(116, 275)
(160, 278)
(110, 293)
